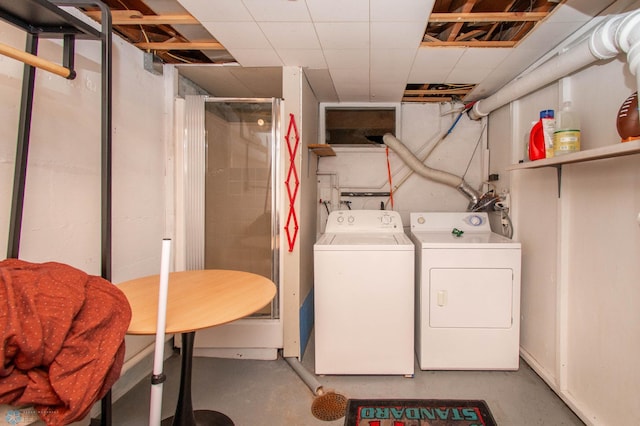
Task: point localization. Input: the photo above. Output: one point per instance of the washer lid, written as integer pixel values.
(486, 240)
(364, 241)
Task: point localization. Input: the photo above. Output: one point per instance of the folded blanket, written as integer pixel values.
(62, 334)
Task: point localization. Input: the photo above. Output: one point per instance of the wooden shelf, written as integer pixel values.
(322, 150)
(610, 151)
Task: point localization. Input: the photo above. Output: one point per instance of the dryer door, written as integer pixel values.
(470, 298)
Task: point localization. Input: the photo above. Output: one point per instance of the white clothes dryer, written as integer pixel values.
(364, 295)
(467, 293)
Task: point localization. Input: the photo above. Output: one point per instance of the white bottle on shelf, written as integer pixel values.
(548, 126)
(566, 138)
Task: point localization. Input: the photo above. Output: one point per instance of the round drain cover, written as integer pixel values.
(330, 406)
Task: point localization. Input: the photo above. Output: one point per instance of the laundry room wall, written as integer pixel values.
(297, 218)
(578, 225)
(423, 126)
(62, 202)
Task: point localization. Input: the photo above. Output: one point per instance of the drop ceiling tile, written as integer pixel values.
(520, 58)
(256, 57)
(549, 36)
(347, 58)
(482, 57)
(218, 10)
(428, 75)
(290, 35)
(339, 10)
(391, 65)
(309, 58)
(401, 10)
(347, 95)
(468, 75)
(352, 92)
(278, 10)
(193, 32)
(400, 35)
(432, 63)
(263, 82)
(165, 6)
(575, 8)
(386, 92)
(392, 59)
(320, 81)
(238, 35)
(351, 35)
(494, 81)
(343, 77)
(218, 81)
(568, 14)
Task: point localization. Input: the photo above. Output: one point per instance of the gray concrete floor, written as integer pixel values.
(270, 393)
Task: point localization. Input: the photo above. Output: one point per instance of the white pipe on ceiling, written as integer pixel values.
(618, 33)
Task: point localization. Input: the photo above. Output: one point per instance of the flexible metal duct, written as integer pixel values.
(618, 33)
(420, 168)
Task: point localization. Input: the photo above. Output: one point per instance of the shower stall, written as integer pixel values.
(228, 163)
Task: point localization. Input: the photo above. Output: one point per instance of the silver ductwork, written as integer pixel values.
(420, 168)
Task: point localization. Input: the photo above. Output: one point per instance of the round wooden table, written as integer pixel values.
(196, 300)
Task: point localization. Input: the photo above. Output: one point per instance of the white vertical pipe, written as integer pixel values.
(155, 407)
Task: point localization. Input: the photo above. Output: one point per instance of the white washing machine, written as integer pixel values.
(364, 295)
(467, 293)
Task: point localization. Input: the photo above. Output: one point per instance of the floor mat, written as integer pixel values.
(418, 412)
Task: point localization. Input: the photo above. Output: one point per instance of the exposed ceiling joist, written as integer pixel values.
(487, 17)
(180, 45)
(468, 43)
(134, 17)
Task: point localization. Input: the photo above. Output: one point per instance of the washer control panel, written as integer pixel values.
(364, 221)
(446, 221)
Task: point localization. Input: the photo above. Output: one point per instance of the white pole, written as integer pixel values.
(157, 379)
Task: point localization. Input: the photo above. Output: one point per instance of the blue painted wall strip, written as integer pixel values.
(306, 321)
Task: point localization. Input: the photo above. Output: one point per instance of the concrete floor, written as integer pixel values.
(270, 393)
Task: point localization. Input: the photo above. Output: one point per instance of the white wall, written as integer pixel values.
(62, 201)
(580, 293)
(297, 262)
(365, 169)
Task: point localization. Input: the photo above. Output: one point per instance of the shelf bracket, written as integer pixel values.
(558, 168)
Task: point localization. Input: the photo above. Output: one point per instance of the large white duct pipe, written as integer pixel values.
(619, 33)
(420, 168)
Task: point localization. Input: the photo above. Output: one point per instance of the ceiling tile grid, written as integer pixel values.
(372, 49)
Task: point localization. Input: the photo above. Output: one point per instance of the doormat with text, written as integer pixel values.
(418, 412)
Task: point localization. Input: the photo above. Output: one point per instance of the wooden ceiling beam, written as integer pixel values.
(469, 43)
(133, 17)
(178, 45)
(429, 99)
(496, 25)
(470, 35)
(487, 17)
(437, 92)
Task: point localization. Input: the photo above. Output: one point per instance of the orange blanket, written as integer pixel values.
(62, 334)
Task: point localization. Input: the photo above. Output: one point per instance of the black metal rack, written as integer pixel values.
(45, 19)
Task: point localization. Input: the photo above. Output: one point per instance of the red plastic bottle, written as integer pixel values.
(537, 148)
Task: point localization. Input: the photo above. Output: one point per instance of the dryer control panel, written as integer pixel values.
(446, 221)
(372, 221)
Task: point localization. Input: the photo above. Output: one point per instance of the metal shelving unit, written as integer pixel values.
(46, 19)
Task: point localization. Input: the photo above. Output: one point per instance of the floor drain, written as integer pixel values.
(329, 406)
